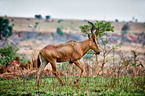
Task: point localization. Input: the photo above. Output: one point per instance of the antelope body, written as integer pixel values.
(71, 51)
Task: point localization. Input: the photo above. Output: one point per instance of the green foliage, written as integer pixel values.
(5, 29)
(59, 21)
(36, 24)
(100, 28)
(116, 20)
(38, 16)
(12, 20)
(47, 17)
(8, 50)
(90, 51)
(8, 53)
(59, 31)
(23, 59)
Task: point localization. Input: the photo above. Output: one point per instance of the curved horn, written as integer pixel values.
(92, 29)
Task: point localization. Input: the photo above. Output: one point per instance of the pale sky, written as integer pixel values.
(123, 10)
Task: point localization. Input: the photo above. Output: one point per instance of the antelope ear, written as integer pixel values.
(89, 36)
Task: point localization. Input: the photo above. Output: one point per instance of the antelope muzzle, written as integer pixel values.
(98, 52)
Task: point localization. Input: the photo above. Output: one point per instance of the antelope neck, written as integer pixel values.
(85, 46)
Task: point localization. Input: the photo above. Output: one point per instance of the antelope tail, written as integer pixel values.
(38, 61)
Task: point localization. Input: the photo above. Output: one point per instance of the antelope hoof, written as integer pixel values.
(75, 82)
(62, 84)
(70, 83)
(37, 84)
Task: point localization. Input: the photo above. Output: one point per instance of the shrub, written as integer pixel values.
(5, 29)
(8, 53)
(59, 31)
(47, 17)
(38, 16)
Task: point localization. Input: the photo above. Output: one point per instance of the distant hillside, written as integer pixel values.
(67, 26)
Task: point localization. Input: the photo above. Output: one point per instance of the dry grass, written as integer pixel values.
(21, 24)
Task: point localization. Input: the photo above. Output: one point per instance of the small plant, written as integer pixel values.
(136, 59)
(8, 53)
(130, 63)
(106, 49)
(35, 26)
(59, 31)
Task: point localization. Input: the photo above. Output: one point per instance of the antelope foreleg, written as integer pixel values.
(71, 72)
(82, 70)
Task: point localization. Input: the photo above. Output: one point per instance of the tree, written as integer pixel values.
(38, 16)
(100, 29)
(5, 29)
(116, 20)
(47, 17)
(124, 31)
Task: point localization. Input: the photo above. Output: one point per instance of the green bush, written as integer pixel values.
(99, 28)
(5, 29)
(59, 31)
(8, 53)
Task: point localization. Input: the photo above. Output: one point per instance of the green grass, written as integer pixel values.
(100, 86)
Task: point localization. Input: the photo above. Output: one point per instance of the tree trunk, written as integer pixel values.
(97, 65)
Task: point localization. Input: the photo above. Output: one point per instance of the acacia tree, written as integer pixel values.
(100, 28)
(47, 17)
(38, 16)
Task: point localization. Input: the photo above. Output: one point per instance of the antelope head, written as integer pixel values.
(93, 42)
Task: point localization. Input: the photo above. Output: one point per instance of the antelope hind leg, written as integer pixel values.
(44, 63)
(54, 71)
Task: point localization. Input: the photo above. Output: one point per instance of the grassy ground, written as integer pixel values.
(88, 86)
